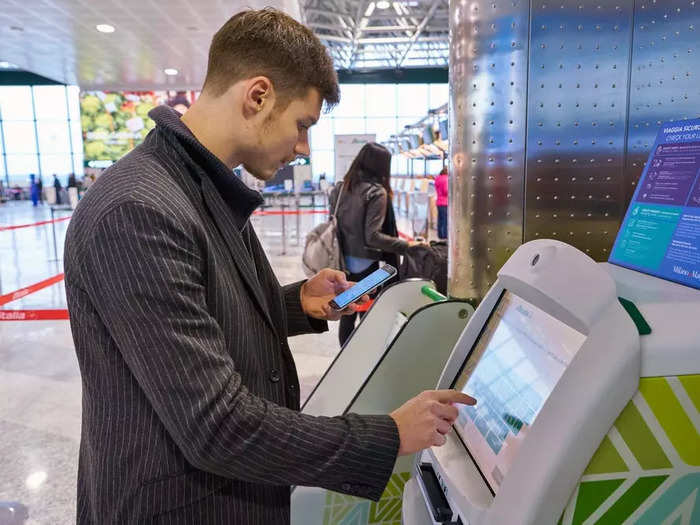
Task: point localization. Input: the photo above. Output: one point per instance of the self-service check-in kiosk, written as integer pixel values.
(397, 351)
(587, 376)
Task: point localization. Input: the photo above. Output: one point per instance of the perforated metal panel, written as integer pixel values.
(578, 75)
(588, 90)
(488, 75)
(665, 79)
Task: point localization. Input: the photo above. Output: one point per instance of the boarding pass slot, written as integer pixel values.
(434, 496)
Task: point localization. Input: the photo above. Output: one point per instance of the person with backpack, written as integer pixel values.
(366, 221)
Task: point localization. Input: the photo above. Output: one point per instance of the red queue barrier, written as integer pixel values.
(34, 315)
(62, 314)
(40, 223)
(23, 292)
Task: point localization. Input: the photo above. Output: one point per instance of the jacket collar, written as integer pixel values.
(229, 200)
(241, 199)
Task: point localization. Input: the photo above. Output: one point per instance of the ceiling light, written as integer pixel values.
(370, 9)
(104, 28)
(170, 71)
(383, 4)
(35, 480)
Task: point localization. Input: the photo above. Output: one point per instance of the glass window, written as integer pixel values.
(73, 102)
(58, 164)
(50, 103)
(322, 133)
(402, 168)
(19, 137)
(78, 167)
(381, 100)
(349, 126)
(434, 166)
(322, 161)
(439, 95)
(402, 122)
(352, 101)
(76, 136)
(382, 127)
(16, 103)
(412, 100)
(22, 165)
(53, 137)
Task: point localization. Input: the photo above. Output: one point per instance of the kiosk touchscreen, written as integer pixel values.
(515, 364)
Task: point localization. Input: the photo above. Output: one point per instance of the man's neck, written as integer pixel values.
(204, 121)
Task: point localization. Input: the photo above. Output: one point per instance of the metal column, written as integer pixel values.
(488, 90)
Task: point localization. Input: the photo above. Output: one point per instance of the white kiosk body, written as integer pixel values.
(397, 351)
(552, 358)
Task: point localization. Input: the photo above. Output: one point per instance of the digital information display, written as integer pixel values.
(512, 369)
(660, 234)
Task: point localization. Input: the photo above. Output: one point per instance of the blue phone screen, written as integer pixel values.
(353, 294)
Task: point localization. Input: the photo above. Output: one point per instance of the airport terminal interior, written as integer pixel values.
(545, 169)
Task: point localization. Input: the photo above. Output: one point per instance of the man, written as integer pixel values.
(190, 394)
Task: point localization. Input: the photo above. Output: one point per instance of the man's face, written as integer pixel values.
(281, 137)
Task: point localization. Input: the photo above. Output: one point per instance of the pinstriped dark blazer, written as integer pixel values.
(190, 394)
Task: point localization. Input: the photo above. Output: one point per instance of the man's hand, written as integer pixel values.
(412, 244)
(317, 292)
(424, 420)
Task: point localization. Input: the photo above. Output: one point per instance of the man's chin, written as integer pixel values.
(260, 174)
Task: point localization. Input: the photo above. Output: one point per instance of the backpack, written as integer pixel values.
(428, 262)
(322, 248)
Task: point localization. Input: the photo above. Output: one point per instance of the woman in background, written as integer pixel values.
(441, 188)
(366, 221)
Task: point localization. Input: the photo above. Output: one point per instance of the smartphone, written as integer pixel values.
(366, 285)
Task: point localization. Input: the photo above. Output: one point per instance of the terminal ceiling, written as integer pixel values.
(57, 38)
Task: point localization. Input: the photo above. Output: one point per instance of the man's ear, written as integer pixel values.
(259, 95)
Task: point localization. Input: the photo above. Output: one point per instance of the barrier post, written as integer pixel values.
(53, 230)
(284, 229)
(298, 222)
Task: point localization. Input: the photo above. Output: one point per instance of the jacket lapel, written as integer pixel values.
(234, 241)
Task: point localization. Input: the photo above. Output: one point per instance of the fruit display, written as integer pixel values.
(113, 123)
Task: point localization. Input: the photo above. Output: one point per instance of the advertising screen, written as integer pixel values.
(114, 122)
(511, 370)
(660, 234)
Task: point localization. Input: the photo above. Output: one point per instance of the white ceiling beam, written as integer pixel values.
(324, 12)
(332, 38)
(415, 36)
(390, 40)
(328, 27)
(388, 29)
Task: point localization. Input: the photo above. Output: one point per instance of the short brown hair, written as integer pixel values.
(270, 43)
